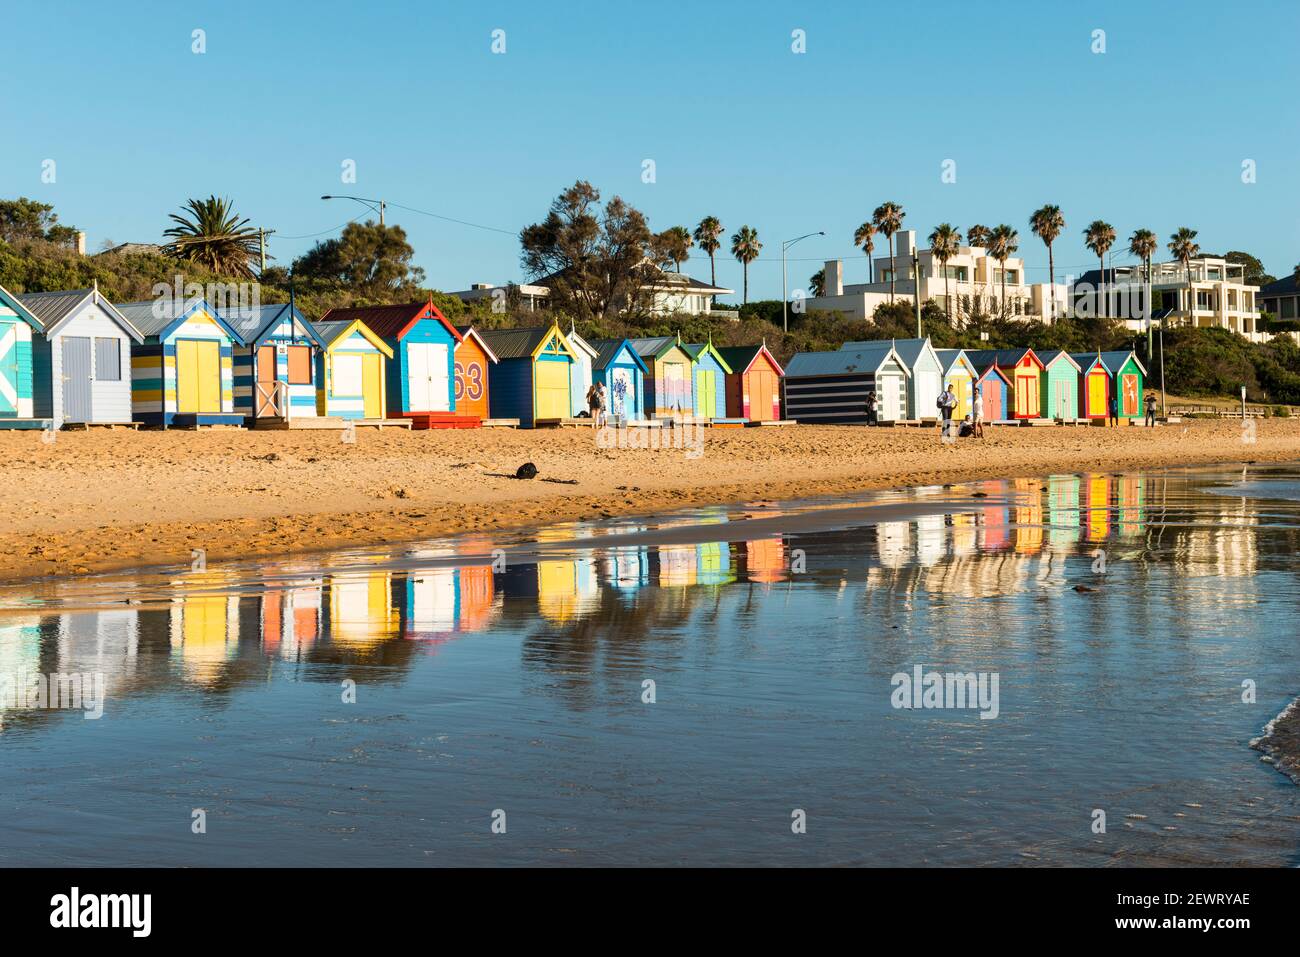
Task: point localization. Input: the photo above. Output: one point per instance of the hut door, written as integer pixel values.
(1097, 395)
(707, 404)
(76, 379)
(8, 368)
(372, 386)
(427, 377)
(989, 396)
(1129, 383)
(198, 376)
(1024, 395)
(622, 395)
(267, 394)
(552, 389)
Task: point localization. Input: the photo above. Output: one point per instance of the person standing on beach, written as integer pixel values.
(596, 403)
(871, 406)
(1112, 410)
(1151, 409)
(977, 411)
(947, 402)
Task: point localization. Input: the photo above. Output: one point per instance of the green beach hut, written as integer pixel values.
(1059, 391)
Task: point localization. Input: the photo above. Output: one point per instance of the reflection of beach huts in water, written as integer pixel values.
(1023, 370)
(1098, 507)
(1028, 515)
(530, 380)
(474, 358)
(362, 613)
(622, 372)
(930, 534)
(765, 560)
(350, 371)
(1063, 510)
(754, 383)
(1060, 386)
(205, 627)
(832, 387)
(709, 371)
(1129, 495)
(713, 564)
(17, 325)
(444, 601)
(81, 360)
(291, 620)
(668, 386)
(274, 362)
(893, 543)
(567, 589)
(958, 375)
(994, 388)
(627, 566)
(182, 372)
(677, 565)
(924, 374)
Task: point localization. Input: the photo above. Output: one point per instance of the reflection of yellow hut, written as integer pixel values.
(205, 628)
(963, 534)
(566, 589)
(765, 560)
(1098, 508)
(361, 608)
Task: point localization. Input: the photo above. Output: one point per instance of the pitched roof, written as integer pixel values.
(157, 316)
(9, 299)
(698, 349)
(654, 347)
(332, 330)
(391, 322)
(1053, 354)
(740, 358)
(469, 332)
(981, 359)
(607, 350)
(949, 357)
(55, 308)
(252, 324)
(1286, 286)
(869, 358)
(516, 343)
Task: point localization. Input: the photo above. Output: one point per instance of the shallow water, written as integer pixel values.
(508, 675)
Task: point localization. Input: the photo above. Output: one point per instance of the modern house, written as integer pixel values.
(1281, 298)
(669, 292)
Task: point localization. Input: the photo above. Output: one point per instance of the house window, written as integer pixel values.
(1288, 307)
(108, 360)
(299, 365)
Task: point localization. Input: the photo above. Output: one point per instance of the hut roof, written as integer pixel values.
(1003, 358)
(655, 346)
(331, 331)
(698, 349)
(391, 322)
(521, 343)
(608, 349)
(1053, 355)
(53, 309)
(740, 358)
(254, 324)
(469, 332)
(157, 317)
(868, 359)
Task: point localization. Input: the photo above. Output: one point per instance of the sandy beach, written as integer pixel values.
(100, 500)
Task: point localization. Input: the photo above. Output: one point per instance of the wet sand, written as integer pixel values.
(100, 500)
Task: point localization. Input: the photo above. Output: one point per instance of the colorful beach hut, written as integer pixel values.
(17, 385)
(754, 383)
(473, 357)
(995, 388)
(420, 367)
(350, 370)
(1060, 387)
(958, 375)
(531, 378)
(1024, 370)
(182, 371)
(622, 372)
(81, 359)
(274, 362)
(1128, 378)
(668, 383)
(832, 387)
(580, 377)
(1094, 385)
(709, 381)
(924, 378)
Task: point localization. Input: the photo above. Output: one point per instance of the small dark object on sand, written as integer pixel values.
(979, 495)
(526, 471)
(561, 481)
(1084, 588)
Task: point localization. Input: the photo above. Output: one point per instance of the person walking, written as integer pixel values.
(1151, 409)
(947, 401)
(977, 411)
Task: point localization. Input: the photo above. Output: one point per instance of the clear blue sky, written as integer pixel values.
(1151, 133)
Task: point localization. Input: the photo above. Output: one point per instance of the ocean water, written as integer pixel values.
(716, 687)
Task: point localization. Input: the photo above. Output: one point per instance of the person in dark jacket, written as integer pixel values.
(1112, 410)
(871, 406)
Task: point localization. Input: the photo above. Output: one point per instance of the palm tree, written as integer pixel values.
(1143, 245)
(944, 242)
(208, 232)
(864, 236)
(1047, 223)
(1002, 242)
(1183, 245)
(888, 219)
(817, 283)
(745, 247)
(677, 244)
(707, 236)
(1099, 237)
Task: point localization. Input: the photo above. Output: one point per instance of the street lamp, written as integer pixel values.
(375, 204)
(785, 320)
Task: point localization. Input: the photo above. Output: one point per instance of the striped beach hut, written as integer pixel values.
(420, 371)
(709, 373)
(1023, 370)
(832, 387)
(531, 379)
(274, 362)
(182, 373)
(995, 389)
(621, 371)
(580, 377)
(17, 385)
(81, 360)
(1060, 388)
(350, 370)
(958, 375)
(669, 389)
(1094, 385)
(754, 383)
(474, 357)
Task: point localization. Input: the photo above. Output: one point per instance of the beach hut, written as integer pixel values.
(473, 358)
(420, 370)
(622, 372)
(709, 381)
(669, 389)
(754, 383)
(1094, 385)
(350, 371)
(1127, 378)
(958, 375)
(1023, 369)
(81, 359)
(580, 377)
(17, 385)
(924, 379)
(182, 372)
(1060, 387)
(531, 378)
(995, 388)
(274, 362)
(832, 387)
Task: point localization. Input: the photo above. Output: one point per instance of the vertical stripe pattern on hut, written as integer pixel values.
(16, 374)
(754, 383)
(350, 371)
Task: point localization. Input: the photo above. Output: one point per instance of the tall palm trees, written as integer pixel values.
(1184, 248)
(745, 247)
(944, 242)
(864, 236)
(210, 233)
(1047, 223)
(708, 236)
(1143, 245)
(1001, 243)
(1099, 237)
(888, 219)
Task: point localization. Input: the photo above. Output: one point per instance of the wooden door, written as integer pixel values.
(1096, 395)
(372, 386)
(8, 368)
(266, 393)
(76, 379)
(706, 405)
(198, 376)
(552, 389)
(1129, 384)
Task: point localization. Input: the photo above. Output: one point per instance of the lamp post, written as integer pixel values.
(375, 204)
(785, 320)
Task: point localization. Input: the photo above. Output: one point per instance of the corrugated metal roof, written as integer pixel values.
(739, 357)
(50, 307)
(515, 343)
(649, 348)
(868, 359)
(607, 350)
(152, 317)
(948, 357)
(1112, 360)
(331, 330)
(387, 321)
(981, 359)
